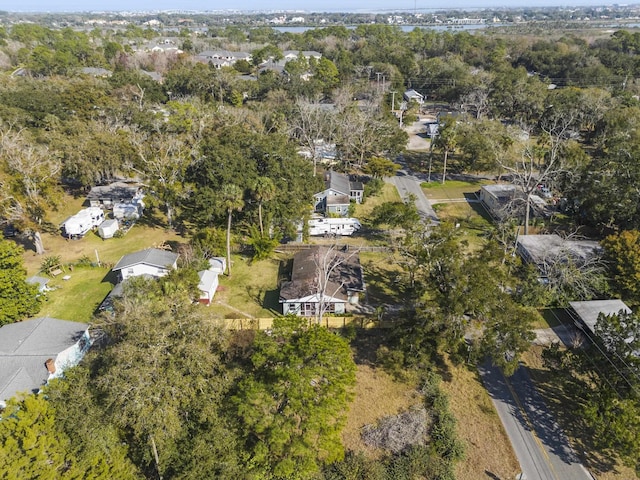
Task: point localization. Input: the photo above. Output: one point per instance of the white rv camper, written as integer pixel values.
(79, 224)
(333, 226)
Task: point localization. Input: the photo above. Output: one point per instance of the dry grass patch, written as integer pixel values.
(487, 447)
(377, 395)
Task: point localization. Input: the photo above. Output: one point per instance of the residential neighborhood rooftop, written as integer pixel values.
(346, 276)
(540, 248)
(151, 256)
(26, 346)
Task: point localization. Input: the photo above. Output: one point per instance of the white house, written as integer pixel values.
(152, 261)
(412, 95)
(34, 351)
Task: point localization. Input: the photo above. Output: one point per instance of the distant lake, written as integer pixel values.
(404, 28)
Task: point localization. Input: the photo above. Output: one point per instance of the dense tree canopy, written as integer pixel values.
(18, 299)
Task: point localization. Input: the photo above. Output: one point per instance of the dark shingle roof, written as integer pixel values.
(345, 277)
(151, 256)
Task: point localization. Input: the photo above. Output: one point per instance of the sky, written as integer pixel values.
(308, 5)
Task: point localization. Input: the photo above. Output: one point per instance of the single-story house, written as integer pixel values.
(34, 351)
(300, 294)
(338, 193)
(222, 58)
(585, 314)
(152, 261)
(545, 250)
(505, 200)
(294, 54)
(412, 95)
(117, 192)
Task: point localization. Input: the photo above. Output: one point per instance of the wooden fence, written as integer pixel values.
(329, 322)
(296, 247)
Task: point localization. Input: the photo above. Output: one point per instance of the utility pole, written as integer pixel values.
(393, 100)
(378, 79)
(384, 78)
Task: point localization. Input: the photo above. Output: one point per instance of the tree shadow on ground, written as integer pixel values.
(378, 282)
(366, 344)
(562, 394)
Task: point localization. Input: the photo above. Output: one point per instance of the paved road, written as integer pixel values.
(540, 445)
(408, 184)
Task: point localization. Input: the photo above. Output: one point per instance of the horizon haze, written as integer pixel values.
(356, 6)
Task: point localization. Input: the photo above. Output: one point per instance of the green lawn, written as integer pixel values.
(252, 289)
(380, 274)
(77, 298)
(389, 193)
(452, 189)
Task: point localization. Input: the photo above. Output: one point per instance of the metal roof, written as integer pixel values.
(588, 311)
(151, 256)
(540, 248)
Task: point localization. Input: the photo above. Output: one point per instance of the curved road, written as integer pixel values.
(541, 446)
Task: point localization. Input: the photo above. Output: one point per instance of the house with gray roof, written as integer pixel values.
(300, 295)
(116, 192)
(506, 200)
(221, 58)
(152, 261)
(546, 250)
(339, 191)
(34, 351)
(585, 314)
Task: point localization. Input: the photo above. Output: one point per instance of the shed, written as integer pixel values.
(108, 228)
(217, 265)
(207, 286)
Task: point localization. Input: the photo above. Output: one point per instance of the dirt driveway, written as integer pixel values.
(418, 141)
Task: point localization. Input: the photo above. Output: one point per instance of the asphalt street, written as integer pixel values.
(407, 184)
(541, 446)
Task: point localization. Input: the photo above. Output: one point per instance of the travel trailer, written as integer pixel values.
(82, 222)
(333, 226)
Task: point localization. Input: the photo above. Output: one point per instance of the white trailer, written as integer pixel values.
(333, 226)
(79, 224)
(108, 228)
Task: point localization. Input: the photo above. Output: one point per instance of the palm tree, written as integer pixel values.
(264, 190)
(231, 200)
